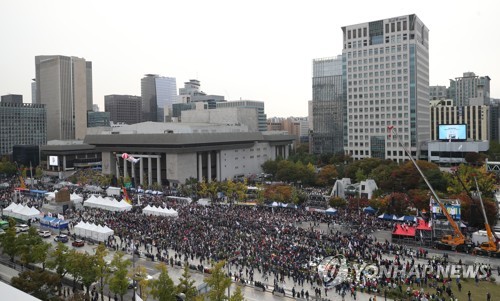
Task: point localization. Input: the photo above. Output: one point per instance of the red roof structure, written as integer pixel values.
(423, 225)
(404, 230)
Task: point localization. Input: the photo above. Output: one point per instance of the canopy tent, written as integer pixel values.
(92, 188)
(388, 217)
(21, 212)
(406, 218)
(107, 204)
(403, 230)
(369, 210)
(75, 198)
(293, 206)
(159, 211)
(54, 223)
(331, 211)
(276, 204)
(51, 195)
(93, 231)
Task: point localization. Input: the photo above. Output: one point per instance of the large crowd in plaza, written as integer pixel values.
(281, 244)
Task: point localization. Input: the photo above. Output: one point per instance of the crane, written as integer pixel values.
(457, 241)
(489, 248)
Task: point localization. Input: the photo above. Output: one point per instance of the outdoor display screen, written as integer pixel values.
(452, 132)
(53, 161)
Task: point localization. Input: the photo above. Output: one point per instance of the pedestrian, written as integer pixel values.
(468, 295)
(488, 296)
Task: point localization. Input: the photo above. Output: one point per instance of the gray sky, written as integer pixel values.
(256, 50)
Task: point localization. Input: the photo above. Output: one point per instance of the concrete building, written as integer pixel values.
(258, 106)
(494, 126)
(328, 106)
(158, 93)
(21, 124)
(64, 86)
(184, 151)
(438, 92)
(470, 89)
(244, 116)
(12, 98)
(295, 126)
(123, 108)
(386, 73)
(475, 117)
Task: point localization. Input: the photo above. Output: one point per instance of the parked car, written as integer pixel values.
(22, 228)
(61, 238)
(78, 243)
(44, 234)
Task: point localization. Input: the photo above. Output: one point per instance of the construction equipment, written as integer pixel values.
(457, 241)
(489, 248)
(20, 175)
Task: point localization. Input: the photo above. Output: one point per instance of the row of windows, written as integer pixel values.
(392, 94)
(388, 39)
(367, 153)
(369, 62)
(377, 51)
(382, 109)
(378, 88)
(375, 123)
(376, 73)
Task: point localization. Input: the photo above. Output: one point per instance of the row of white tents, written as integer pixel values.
(107, 204)
(159, 211)
(21, 212)
(73, 197)
(93, 231)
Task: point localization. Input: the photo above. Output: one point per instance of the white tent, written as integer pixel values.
(21, 212)
(51, 195)
(92, 231)
(159, 211)
(107, 204)
(75, 198)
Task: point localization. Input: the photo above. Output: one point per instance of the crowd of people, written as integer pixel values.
(283, 245)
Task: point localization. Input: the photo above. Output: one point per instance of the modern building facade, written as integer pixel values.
(174, 157)
(232, 116)
(494, 127)
(123, 108)
(470, 89)
(328, 106)
(386, 73)
(12, 98)
(158, 93)
(21, 124)
(64, 86)
(475, 117)
(252, 104)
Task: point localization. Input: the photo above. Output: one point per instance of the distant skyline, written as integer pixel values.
(250, 50)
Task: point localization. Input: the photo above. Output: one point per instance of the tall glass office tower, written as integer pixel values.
(158, 93)
(386, 65)
(328, 106)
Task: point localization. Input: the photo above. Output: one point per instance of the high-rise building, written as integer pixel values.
(123, 108)
(12, 98)
(254, 104)
(97, 119)
(158, 94)
(386, 73)
(470, 89)
(21, 124)
(438, 92)
(64, 86)
(475, 117)
(328, 106)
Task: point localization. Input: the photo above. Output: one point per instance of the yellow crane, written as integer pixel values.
(489, 248)
(457, 241)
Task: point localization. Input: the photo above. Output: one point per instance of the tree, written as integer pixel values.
(27, 243)
(9, 241)
(163, 289)
(237, 295)
(327, 175)
(88, 270)
(38, 283)
(101, 267)
(58, 261)
(140, 277)
(218, 283)
(270, 167)
(337, 202)
(186, 285)
(74, 266)
(118, 282)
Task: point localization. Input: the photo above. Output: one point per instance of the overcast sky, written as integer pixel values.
(255, 50)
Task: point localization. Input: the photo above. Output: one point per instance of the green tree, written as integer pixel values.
(88, 270)
(58, 261)
(140, 276)
(74, 266)
(270, 167)
(38, 172)
(38, 283)
(218, 282)
(163, 289)
(337, 202)
(186, 284)
(26, 244)
(101, 267)
(237, 295)
(9, 241)
(118, 282)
